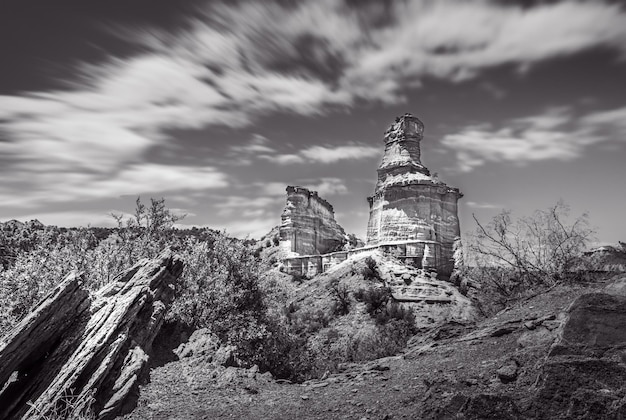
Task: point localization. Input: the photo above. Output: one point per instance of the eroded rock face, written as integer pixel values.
(308, 225)
(584, 373)
(410, 205)
(78, 351)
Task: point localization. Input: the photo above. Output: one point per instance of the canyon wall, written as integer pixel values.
(308, 225)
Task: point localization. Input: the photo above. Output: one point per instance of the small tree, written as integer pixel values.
(375, 298)
(369, 271)
(341, 297)
(542, 249)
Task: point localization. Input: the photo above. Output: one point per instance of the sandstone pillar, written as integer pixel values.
(409, 205)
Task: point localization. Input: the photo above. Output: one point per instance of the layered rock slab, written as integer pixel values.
(77, 352)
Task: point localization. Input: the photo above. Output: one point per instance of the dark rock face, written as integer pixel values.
(410, 205)
(308, 225)
(79, 351)
(487, 406)
(478, 407)
(585, 372)
(596, 324)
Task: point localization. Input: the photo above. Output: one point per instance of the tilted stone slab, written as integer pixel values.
(95, 353)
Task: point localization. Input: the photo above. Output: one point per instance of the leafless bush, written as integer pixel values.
(513, 256)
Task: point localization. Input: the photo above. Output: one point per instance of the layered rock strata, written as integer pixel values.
(308, 225)
(79, 352)
(410, 207)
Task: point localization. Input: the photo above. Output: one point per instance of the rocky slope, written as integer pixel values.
(543, 358)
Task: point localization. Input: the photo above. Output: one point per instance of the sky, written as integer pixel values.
(217, 106)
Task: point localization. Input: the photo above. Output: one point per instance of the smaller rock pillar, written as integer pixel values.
(428, 260)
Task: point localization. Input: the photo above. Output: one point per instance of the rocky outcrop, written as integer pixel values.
(77, 352)
(411, 205)
(308, 225)
(584, 374)
(607, 258)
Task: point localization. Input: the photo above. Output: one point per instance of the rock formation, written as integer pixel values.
(411, 207)
(308, 225)
(78, 351)
(584, 373)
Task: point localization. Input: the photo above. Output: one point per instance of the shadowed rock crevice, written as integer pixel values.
(78, 352)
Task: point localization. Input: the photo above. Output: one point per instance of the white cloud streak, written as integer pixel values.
(556, 134)
(241, 61)
(476, 205)
(324, 154)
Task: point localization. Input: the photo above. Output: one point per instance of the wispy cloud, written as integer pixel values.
(476, 205)
(40, 187)
(332, 154)
(259, 147)
(324, 186)
(324, 154)
(242, 61)
(557, 134)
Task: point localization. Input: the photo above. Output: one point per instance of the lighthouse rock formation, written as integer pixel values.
(411, 208)
(413, 216)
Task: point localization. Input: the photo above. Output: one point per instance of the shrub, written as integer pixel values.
(219, 286)
(369, 271)
(306, 322)
(541, 249)
(341, 297)
(394, 311)
(387, 340)
(375, 298)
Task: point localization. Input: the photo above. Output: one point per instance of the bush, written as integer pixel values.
(388, 340)
(369, 271)
(375, 298)
(341, 297)
(393, 311)
(306, 322)
(541, 249)
(219, 287)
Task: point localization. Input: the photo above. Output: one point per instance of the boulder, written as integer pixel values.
(79, 352)
(202, 343)
(537, 336)
(595, 324)
(584, 373)
(508, 371)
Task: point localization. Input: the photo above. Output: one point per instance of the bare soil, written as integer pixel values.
(433, 379)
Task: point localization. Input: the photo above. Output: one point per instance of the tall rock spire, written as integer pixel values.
(410, 208)
(402, 147)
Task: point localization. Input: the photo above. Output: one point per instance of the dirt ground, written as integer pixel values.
(432, 379)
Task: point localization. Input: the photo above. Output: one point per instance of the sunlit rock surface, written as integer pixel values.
(308, 225)
(410, 206)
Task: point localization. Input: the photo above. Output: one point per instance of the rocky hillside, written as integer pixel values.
(556, 355)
